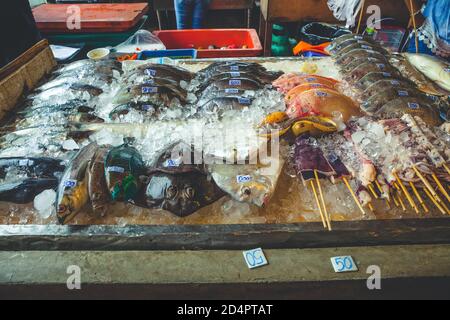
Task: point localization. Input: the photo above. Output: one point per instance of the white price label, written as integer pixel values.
(255, 258)
(344, 264)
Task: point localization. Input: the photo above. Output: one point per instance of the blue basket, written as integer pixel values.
(173, 54)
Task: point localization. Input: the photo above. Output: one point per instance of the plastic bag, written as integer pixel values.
(345, 10)
(316, 33)
(142, 40)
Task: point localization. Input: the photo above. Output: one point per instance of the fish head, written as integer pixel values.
(66, 209)
(256, 192)
(176, 194)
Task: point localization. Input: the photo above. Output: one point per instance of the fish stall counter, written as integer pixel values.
(278, 153)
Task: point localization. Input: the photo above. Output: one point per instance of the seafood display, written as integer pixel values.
(388, 87)
(158, 142)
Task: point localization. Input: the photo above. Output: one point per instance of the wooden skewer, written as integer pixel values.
(399, 198)
(372, 190)
(354, 195)
(413, 17)
(447, 168)
(325, 211)
(444, 206)
(361, 14)
(425, 181)
(318, 203)
(388, 202)
(441, 187)
(419, 197)
(434, 200)
(395, 200)
(370, 206)
(406, 192)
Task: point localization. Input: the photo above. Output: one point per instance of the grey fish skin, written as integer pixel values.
(340, 41)
(378, 100)
(359, 61)
(148, 109)
(72, 192)
(413, 106)
(373, 77)
(382, 85)
(349, 57)
(92, 66)
(25, 191)
(361, 45)
(33, 167)
(164, 71)
(230, 66)
(212, 94)
(359, 72)
(236, 83)
(75, 89)
(159, 95)
(217, 106)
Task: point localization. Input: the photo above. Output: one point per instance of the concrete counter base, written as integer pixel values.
(406, 271)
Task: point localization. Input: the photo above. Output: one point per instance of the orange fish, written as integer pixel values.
(322, 102)
(289, 83)
(305, 87)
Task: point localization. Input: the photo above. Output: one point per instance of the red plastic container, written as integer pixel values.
(203, 38)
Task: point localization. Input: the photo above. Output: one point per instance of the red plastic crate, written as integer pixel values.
(203, 38)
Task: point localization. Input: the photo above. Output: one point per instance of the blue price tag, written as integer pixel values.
(150, 72)
(235, 74)
(243, 179)
(234, 68)
(232, 91)
(70, 183)
(235, 82)
(413, 105)
(344, 264)
(255, 258)
(245, 101)
(149, 90)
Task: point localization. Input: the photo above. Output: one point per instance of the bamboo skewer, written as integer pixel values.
(413, 17)
(353, 195)
(434, 201)
(388, 202)
(395, 200)
(325, 211)
(406, 192)
(399, 198)
(447, 168)
(419, 197)
(361, 14)
(372, 190)
(318, 203)
(370, 207)
(425, 181)
(440, 186)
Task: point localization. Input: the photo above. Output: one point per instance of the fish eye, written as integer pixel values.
(189, 192)
(171, 192)
(246, 191)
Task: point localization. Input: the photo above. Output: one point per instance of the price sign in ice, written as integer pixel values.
(344, 264)
(255, 258)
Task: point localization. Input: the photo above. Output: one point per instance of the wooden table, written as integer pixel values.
(279, 11)
(168, 5)
(100, 17)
